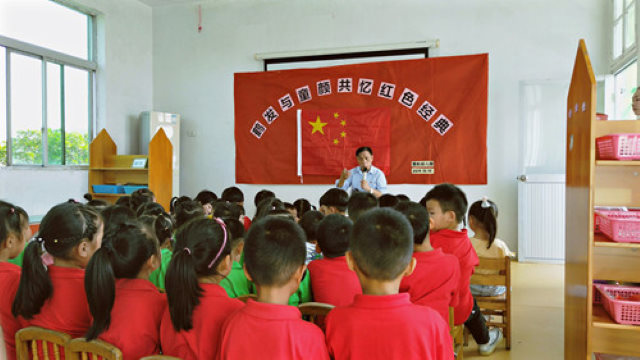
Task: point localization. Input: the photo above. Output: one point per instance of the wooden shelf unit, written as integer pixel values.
(589, 256)
(107, 167)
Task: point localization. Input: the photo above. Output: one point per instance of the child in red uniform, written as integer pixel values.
(269, 328)
(53, 296)
(447, 206)
(126, 306)
(14, 231)
(331, 280)
(197, 304)
(434, 282)
(381, 323)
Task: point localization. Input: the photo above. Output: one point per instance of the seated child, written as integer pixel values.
(126, 307)
(447, 206)
(309, 222)
(206, 198)
(359, 202)
(434, 282)
(382, 323)
(163, 228)
(14, 233)
(236, 283)
(269, 328)
(197, 304)
(235, 196)
(334, 201)
(186, 211)
(331, 280)
(483, 221)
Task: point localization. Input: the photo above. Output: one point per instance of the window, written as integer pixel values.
(624, 86)
(624, 28)
(47, 74)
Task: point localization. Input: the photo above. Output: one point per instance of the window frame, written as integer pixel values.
(47, 56)
(628, 55)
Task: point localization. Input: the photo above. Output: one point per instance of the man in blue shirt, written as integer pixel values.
(364, 177)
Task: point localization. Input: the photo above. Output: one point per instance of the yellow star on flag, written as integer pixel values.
(335, 141)
(335, 115)
(343, 134)
(343, 123)
(317, 126)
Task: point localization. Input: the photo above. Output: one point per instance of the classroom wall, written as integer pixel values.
(124, 89)
(526, 40)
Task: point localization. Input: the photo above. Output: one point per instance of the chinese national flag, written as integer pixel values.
(329, 139)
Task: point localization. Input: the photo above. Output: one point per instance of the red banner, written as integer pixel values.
(438, 118)
(330, 138)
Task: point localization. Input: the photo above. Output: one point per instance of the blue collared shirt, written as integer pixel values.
(375, 177)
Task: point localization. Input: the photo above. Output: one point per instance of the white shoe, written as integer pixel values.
(495, 335)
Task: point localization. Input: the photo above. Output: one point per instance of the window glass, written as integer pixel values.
(617, 39)
(26, 109)
(625, 85)
(630, 27)
(76, 116)
(54, 115)
(617, 8)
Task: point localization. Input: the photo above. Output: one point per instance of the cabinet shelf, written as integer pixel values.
(118, 169)
(612, 338)
(618, 162)
(600, 240)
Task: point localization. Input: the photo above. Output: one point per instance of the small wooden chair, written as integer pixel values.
(160, 357)
(457, 332)
(315, 309)
(81, 348)
(30, 337)
(498, 308)
(244, 298)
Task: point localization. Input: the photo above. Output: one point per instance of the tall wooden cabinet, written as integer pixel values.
(107, 167)
(589, 183)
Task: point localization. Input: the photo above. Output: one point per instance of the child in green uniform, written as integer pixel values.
(163, 227)
(236, 283)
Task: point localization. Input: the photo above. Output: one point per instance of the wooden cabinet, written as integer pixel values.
(589, 183)
(107, 167)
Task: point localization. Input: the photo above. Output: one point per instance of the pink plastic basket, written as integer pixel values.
(614, 357)
(620, 226)
(621, 311)
(618, 147)
(597, 298)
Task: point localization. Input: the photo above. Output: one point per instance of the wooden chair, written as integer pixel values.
(457, 333)
(313, 310)
(80, 349)
(160, 357)
(497, 308)
(244, 298)
(31, 337)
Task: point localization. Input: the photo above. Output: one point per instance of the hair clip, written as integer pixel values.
(55, 241)
(187, 250)
(485, 202)
(12, 211)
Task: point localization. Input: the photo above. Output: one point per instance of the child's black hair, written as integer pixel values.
(236, 231)
(62, 228)
(233, 194)
(388, 200)
(487, 216)
(382, 244)
(450, 198)
(140, 197)
(206, 197)
(282, 213)
(12, 220)
(289, 206)
(150, 208)
(223, 209)
(309, 223)
(187, 210)
(335, 197)
(423, 201)
(201, 245)
(359, 202)
(261, 195)
(266, 206)
(175, 201)
(402, 197)
(418, 218)
(302, 206)
(127, 250)
(333, 235)
(163, 227)
(114, 215)
(96, 203)
(124, 200)
(274, 249)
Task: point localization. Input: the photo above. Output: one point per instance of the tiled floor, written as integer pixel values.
(537, 306)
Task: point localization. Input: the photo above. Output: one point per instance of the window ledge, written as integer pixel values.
(44, 168)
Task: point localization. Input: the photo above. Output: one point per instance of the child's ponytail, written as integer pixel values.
(200, 247)
(100, 287)
(486, 212)
(35, 285)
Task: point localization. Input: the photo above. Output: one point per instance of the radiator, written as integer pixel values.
(541, 218)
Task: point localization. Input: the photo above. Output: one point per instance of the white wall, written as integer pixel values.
(526, 40)
(124, 89)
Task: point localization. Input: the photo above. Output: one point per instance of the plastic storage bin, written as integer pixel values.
(625, 312)
(618, 147)
(620, 226)
(615, 357)
(107, 189)
(128, 189)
